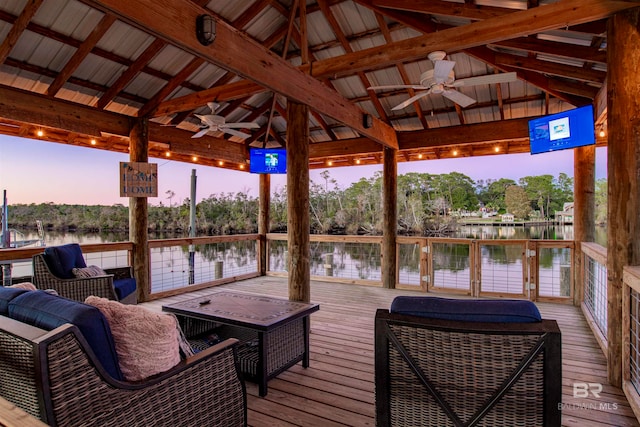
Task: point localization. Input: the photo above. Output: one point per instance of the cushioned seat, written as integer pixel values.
(124, 287)
(63, 259)
(60, 361)
(6, 295)
(443, 361)
(513, 311)
(46, 311)
(64, 269)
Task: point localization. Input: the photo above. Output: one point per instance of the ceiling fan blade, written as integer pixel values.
(488, 79)
(243, 125)
(459, 98)
(200, 134)
(411, 100)
(235, 133)
(442, 69)
(396, 87)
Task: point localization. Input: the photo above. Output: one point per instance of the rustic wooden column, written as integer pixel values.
(623, 157)
(389, 218)
(298, 201)
(584, 206)
(263, 221)
(139, 212)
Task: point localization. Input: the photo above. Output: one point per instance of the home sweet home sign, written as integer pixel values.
(138, 179)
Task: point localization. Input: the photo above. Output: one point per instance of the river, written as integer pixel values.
(349, 261)
(548, 232)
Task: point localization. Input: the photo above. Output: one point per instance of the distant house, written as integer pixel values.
(507, 217)
(565, 216)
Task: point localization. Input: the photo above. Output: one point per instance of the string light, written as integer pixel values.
(455, 152)
(330, 163)
(40, 132)
(357, 161)
(497, 149)
(194, 158)
(93, 142)
(420, 156)
(602, 133)
(220, 163)
(167, 154)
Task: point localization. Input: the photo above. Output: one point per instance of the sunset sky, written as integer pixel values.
(39, 172)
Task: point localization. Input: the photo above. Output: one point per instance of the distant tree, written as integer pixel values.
(540, 190)
(601, 201)
(458, 190)
(517, 201)
(492, 193)
(563, 192)
(363, 203)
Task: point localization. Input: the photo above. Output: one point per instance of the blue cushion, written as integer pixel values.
(47, 311)
(509, 311)
(63, 259)
(6, 295)
(124, 287)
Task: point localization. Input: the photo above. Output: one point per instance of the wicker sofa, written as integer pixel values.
(53, 269)
(448, 362)
(65, 375)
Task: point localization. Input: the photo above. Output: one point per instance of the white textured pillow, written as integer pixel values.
(146, 342)
(90, 271)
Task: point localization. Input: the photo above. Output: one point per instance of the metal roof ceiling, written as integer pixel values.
(46, 50)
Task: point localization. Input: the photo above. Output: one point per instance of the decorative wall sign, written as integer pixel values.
(138, 179)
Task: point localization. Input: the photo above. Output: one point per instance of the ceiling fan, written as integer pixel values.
(441, 80)
(212, 122)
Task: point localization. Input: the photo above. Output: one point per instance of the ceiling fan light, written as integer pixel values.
(205, 29)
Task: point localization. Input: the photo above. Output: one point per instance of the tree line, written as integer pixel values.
(426, 203)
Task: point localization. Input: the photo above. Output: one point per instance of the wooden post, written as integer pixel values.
(218, 269)
(263, 221)
(298, 201)
(389, 218)
(623, 157)
(584, 172)
(328, 264)
(139, 212)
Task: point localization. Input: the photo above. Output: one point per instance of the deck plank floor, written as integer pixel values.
(338, 388)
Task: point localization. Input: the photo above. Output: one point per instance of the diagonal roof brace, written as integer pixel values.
(175, 22)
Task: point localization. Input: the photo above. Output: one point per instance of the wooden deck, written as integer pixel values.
(338, 389)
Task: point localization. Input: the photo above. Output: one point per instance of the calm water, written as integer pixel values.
(565, 232)
(170, 266)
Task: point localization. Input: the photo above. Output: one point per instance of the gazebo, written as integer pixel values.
(323, 79)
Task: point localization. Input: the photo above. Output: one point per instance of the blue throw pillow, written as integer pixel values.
(468, 310)
(47, 311)
(63, 259)
(6, 295)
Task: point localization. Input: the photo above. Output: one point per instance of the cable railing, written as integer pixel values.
(631, 335)
(505, 268)
(594, 279)
(186, 264)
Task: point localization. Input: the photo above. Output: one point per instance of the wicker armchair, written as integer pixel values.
(54, 376)
(45, 276)
(435, 372)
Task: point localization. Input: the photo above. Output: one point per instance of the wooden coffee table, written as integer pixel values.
(274, 332)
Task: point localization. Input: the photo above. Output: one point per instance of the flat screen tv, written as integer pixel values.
(268, 160)
(569, 129)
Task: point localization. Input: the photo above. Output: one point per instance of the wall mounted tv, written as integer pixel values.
(569, 129)
(267, 160)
